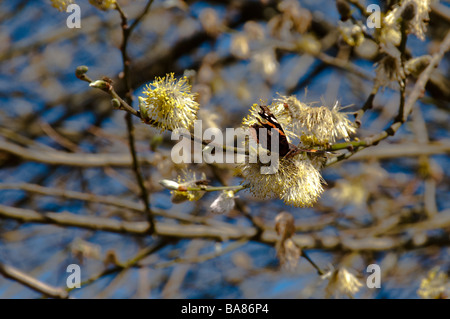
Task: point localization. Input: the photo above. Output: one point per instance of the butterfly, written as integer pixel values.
(285, 149)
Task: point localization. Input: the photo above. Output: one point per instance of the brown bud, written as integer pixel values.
(288, 253)
(107, 79)
(111, 258)
(285, 225)
(344, 9)
(409, 12)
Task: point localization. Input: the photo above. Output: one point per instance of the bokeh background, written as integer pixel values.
(386, 205)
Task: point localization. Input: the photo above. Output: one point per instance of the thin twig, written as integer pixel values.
(107, 200)
(126, 33)
(71, 159)
(31, 282)
(360, 7)
(367, 105)
(139, 18)
(338, 242)
(406, 109)
(130, 263)
(306, 256)
(201, 258)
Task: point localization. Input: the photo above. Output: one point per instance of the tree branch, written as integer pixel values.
(340, 242)
(31, 282)
(406, 109)
(126, 33)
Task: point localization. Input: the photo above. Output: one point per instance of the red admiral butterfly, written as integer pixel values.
(285, 148)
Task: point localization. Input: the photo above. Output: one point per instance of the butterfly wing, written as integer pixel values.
(272, 123)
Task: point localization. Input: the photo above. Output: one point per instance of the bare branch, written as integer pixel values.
(406, 109)
(31, 282)
(71, 159)
(223, 233)
(107, 200)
